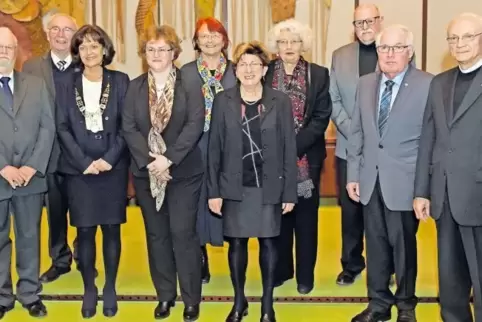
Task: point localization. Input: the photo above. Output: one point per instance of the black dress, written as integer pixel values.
(250, 217)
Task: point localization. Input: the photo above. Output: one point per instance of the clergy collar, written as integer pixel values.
(471, 69)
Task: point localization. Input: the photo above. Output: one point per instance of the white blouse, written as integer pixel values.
(93, 114)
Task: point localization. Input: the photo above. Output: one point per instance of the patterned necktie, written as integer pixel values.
(7, 92)
(385, 106)
(61, 65)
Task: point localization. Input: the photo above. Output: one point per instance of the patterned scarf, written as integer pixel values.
(296, 88)
(160, 110)
(210, 81)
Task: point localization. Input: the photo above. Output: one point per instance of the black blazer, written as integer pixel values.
(181, 134)
(78, 152)
(225, 156)
(311, 138)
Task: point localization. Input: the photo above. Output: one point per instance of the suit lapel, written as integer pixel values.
(47, 72)
(374, 99)
(235, 105)
(403, 93)
(20, 90)
(267, 103)
(448, 96)
(3, 104)
(473, 93)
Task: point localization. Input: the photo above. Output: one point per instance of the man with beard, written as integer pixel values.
(449, 171)
(27, 131)
(52, 67)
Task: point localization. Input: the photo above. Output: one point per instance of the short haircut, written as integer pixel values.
(404, 29)
(96, 34)
(165, 32)
(213, 25)
(303, 31)
(51, 15)
(255, 48)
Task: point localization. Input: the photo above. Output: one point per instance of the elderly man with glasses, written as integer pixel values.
(382, 154)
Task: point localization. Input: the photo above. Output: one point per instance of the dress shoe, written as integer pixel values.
(406, 316)
(110, 303)
(346, 278)
(369, 315)
(238, 315)
(36, 309)
(191, 313)
(5, 309)
(268, 317)
(163, 309)
(53, 273)
(205, 274)
(89, 304)
(304, 289)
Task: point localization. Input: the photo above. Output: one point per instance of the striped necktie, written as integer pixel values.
(7, 92)
(61, 65)
(385, 106)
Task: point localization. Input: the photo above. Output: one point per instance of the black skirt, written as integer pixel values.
(97, 199)
(250, 217)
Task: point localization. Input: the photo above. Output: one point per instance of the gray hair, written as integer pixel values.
(51, 15)
(294, 26)
(408, 34)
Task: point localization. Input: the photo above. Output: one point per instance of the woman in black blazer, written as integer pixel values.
(252, 171)
(162, 125)
(94, 159)
(307, 86)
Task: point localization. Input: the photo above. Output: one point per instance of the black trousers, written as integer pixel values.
(57, 208)
(302, 224)
(391, 242)
(459, 268)
(172, 240)
(352, 227)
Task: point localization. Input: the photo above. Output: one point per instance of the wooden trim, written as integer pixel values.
(159, 12)
(424, 33)
(224, 14)
(357, 3)
(94, 11)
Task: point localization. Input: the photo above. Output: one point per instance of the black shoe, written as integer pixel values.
(36, 309)
(237, 316)
(110, 303)
(268, 317)
(163, 309)
(205, 275)
(89, 304)
(369, 315)
(406, 316)
(346, 278)
(53, 273)
(191, 313)
(5, 309)
(304, 289)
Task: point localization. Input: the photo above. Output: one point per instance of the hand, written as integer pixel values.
(287, 207)
(13, 176)
(102, 165)
(215, 205)
(91, 169)
(27, 173)
(353, 189)
(165, 176)
(159, 165)
(422, 208)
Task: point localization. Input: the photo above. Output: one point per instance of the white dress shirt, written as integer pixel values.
(56, 60)
(10, 83)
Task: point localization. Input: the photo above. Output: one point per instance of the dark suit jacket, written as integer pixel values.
(42, 67)
(225, 157)
(311, 138)
(75, 140)
(27, 133)
(450, 155)
(181, 134)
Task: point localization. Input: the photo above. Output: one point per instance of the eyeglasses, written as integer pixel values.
(284, 42)
(153, 51)
(8, 49)
(397, 49)
(250, 65)
(207, 37)
(65, 30)
(370, 21)
(465, 38)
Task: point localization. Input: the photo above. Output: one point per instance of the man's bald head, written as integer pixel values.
(367, 21)
(464, 35)
(8, 50)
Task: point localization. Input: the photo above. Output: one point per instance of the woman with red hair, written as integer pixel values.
(206, 76)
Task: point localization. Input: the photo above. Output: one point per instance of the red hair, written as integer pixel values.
(213, 25)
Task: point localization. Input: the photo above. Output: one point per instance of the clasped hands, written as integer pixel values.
(159, 167)
(17, 177)
(97, 167)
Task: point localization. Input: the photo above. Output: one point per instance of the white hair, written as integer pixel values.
(51, 15)
(295, 27)
(408, 34)
(466, 16)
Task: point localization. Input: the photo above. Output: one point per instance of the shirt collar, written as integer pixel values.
(8, 75)
(397, 79)
(56, 59)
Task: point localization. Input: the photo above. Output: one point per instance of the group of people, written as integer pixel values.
(230, 149)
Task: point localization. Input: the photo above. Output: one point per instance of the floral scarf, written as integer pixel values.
(209, 82)
(160, 111)
(296, 88)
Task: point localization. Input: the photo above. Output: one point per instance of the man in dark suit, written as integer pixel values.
(57, 62)
(382, 154)
(27, 133)
(449, 171)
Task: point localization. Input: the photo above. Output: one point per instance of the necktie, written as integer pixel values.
(61, 64)
(385, 106)
(7, 92)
